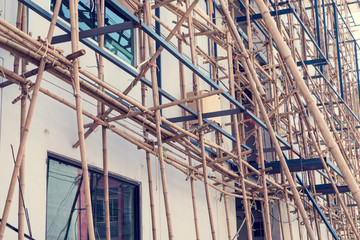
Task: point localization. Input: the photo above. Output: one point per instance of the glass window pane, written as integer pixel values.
(66, 215)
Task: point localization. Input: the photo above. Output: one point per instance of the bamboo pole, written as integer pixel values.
(187, 149)
(21, 210)
(155, 91)
(237, 137)
(318, 118)
(100, 14)
(73, 5)
(226, 205)
(21, 149)
(278, 151)
(142, 45)
(200, 121)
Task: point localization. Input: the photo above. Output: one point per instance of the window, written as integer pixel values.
(119, 43)
(66, 214)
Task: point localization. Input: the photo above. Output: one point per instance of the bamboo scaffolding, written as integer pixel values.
(259, 78)
(333, 147)
(276, 144)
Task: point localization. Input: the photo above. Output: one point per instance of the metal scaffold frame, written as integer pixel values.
(291, 77)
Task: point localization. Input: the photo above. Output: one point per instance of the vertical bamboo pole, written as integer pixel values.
(318, 118)
(21, 149)
(227, 217)
(21, 211)
(151, 195)
(281, 222)
(19, 26)
(21, 208)
(278, 151)
(73, 5)
(289, 215)
(263, 219)
(200, 122)
(142, 45)
(106, 181)
(155, 91)
(237, 137)
(186, 127)
(264, 183)
(100, 14)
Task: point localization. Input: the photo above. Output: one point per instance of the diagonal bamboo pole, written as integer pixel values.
(25, 134)
(278, 151)
(318, 118)
(73, 5)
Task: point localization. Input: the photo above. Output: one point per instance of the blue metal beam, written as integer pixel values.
(315, 62)
(206, 115)
(328, 189)
(259, 16)
(357, 70)
(295, 165)
(95, 32)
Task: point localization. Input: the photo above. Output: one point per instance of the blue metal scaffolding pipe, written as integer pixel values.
(336, 33)
(357, 69)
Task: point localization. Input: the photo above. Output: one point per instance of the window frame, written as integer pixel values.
(77, 164)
